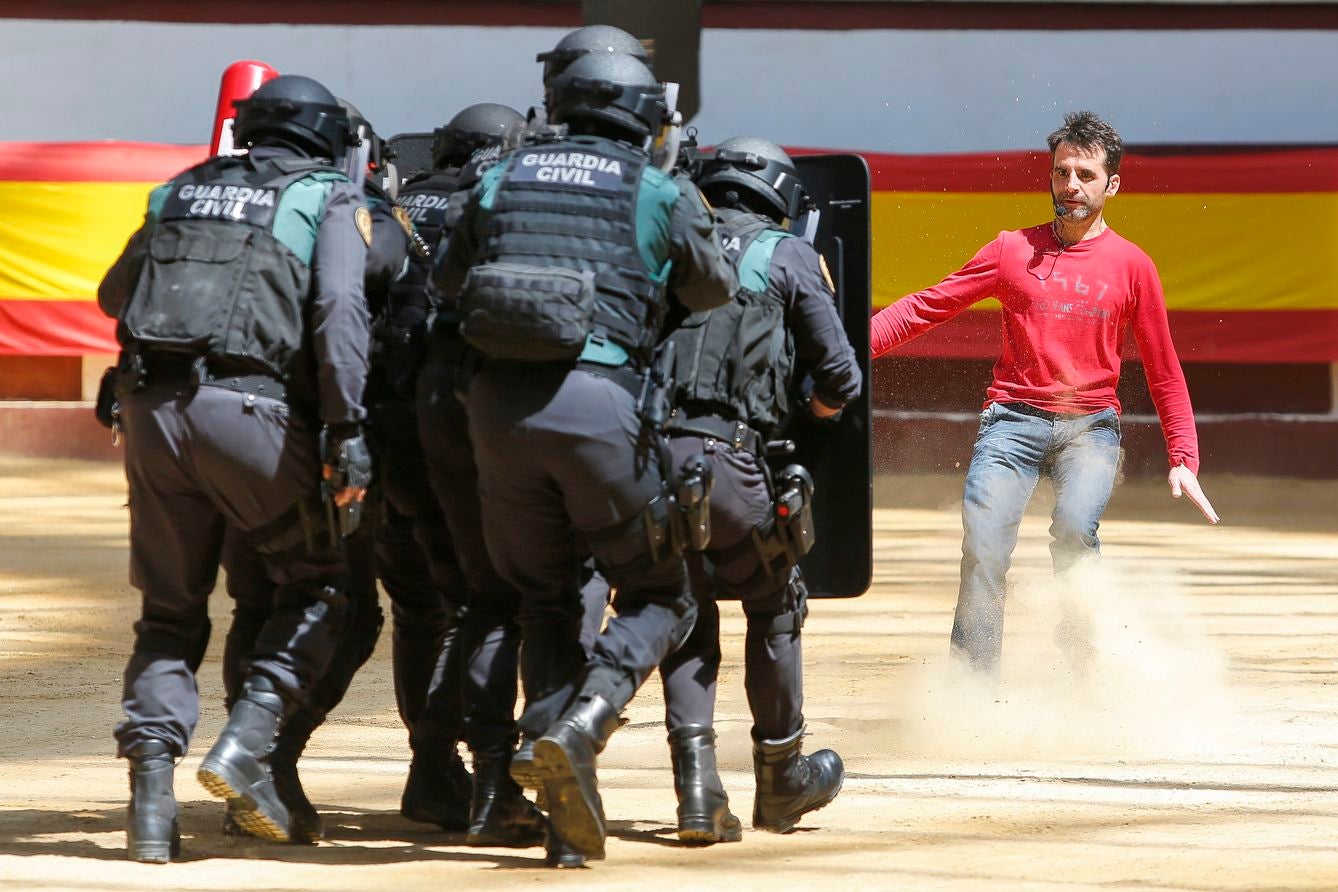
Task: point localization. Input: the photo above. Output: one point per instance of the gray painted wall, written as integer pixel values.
(896, 91)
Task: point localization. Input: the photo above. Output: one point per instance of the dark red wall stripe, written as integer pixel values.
(783, 14)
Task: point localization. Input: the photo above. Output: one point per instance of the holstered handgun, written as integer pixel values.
(657, 389)
(693, 498)
(794, 510)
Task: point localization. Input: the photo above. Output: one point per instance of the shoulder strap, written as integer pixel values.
(757, 238)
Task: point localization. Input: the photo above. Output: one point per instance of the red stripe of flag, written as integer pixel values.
(108, 161)
(1200, 336)
(1170, 170)
(54, 328)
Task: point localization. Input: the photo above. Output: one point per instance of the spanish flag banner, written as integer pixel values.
(66, 210)
(1242, 237)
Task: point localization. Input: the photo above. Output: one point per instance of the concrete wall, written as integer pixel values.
(883, 90)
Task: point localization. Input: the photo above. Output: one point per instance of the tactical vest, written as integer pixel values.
(228, 271)
(735, 361)
(574, 255)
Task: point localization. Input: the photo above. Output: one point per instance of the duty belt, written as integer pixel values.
(735, 433)
(198, 371)
(625, 376)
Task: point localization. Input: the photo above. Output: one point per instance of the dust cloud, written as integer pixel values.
(1105, 662)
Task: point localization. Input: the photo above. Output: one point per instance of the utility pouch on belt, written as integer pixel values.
(535, 313)
(129, 375)
(107, 409)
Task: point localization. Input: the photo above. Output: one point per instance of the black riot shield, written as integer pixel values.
(413, 154)
(840, 456)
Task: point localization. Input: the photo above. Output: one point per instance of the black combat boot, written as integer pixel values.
(151, 832)
(790, 784)
(560, 854)
(565, 758)
(237, 768)
(499, 814)
(703, 807)
(304, 822)
(438, 790)
(522, 766)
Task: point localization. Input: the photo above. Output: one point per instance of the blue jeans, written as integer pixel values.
(1013, 449)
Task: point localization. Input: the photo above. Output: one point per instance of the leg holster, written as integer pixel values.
(642, 540)
(782, 613)
(692, 501)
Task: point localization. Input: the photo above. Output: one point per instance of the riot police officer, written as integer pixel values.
(404, 525)
(474, 140)
(560, 266)
(734, 376)
(481, 656)
(244, 335)
(600, 39)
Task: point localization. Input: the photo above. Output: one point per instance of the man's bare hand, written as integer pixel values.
(1183, 482)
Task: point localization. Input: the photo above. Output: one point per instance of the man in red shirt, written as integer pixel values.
(1070, 289)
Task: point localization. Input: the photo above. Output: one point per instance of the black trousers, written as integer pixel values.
(198, 460)
(490, 634)
(773, 660)
(566, 472)
(403, 526)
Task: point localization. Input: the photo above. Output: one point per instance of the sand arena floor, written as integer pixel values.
(1197, 750)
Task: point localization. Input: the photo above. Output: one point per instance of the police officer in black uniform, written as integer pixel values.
(244, 335)
(736, 367)
(473, 141)
(599, 39)
(415, 553)
(480, 657)
(404, 524)
(560, 266)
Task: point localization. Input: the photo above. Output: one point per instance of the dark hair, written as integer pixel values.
(1086, 131)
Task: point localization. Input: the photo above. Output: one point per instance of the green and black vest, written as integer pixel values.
(228, 271)
(573, 255)
(735, 361)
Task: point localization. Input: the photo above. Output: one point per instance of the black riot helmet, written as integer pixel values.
(473, 128)
(609, 94)
(590, 39)
(296, 110)
(758, 173)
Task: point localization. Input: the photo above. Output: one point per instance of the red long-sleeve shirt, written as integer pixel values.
(1065, 312)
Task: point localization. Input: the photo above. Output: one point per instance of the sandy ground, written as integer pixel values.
(1195, 749)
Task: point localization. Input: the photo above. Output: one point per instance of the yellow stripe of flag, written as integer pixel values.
(1219, 251)
(58, 239)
